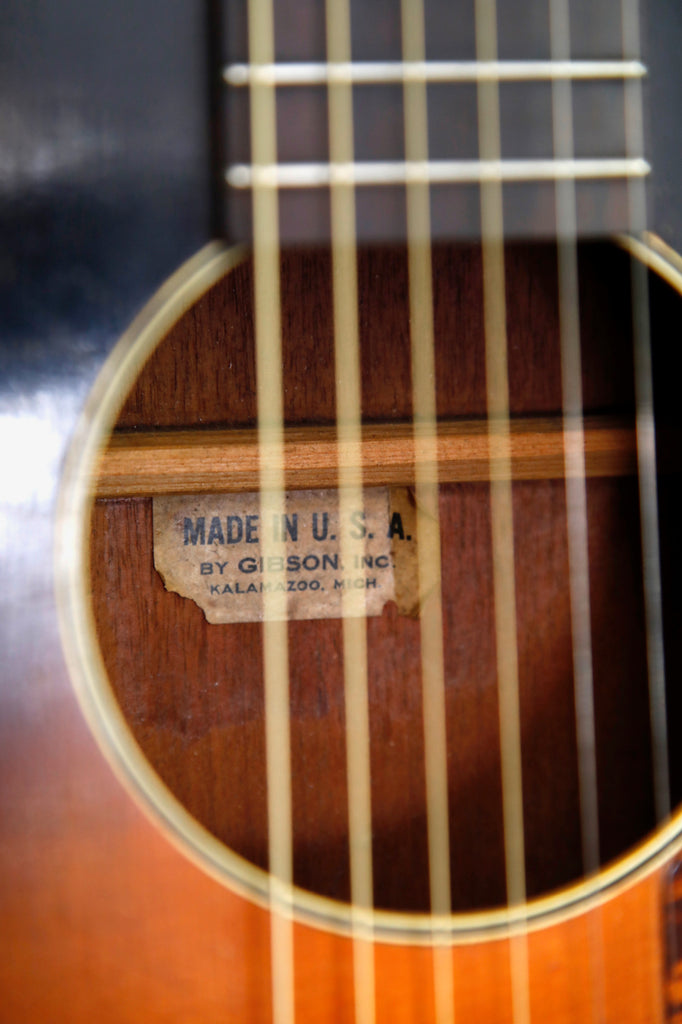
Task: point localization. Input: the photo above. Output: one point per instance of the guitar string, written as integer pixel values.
(426, 492)
(266, 260)
(501, 508)
(272, 476)
(646, 452)
(576, 490)
(645, 433)
(435, 172)
(574, 448)
(349, 435)
(387, 72)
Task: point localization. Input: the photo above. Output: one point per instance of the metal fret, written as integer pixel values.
(433, 172)
(386, 72)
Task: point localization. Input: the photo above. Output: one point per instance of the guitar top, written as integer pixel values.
(340, 632)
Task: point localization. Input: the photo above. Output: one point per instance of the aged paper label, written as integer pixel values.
(209, 548)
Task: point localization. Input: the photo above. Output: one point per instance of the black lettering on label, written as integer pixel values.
(308, 561)
(218, 588)
(364, 561)
(359, 583)
(359, 530)
(235, 529)
(215, 534)
(290, 526)
(395, 528)
(320, 532)
(285, 527)
(195, 533)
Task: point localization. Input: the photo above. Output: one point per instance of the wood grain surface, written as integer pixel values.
(221, 461)
(112, 922)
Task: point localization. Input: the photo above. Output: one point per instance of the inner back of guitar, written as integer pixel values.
(192, 693)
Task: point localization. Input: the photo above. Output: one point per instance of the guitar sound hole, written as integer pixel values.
(192, 693)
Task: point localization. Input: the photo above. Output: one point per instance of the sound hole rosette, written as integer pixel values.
(115, 737)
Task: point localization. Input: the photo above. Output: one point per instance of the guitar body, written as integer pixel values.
(110, 906)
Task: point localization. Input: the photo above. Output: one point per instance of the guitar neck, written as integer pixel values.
(597, 57)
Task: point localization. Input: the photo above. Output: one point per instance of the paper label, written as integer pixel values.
(209, 548)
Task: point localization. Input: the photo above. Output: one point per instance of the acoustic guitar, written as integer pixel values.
(366, 539)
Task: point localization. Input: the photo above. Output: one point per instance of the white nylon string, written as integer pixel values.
(574, 448)
(501, 509)
(349, 433)
(384, 72)
(491, 171)
(646, 437)
(271, 450)
(459, 172)
(426, 488)
(576, 493)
